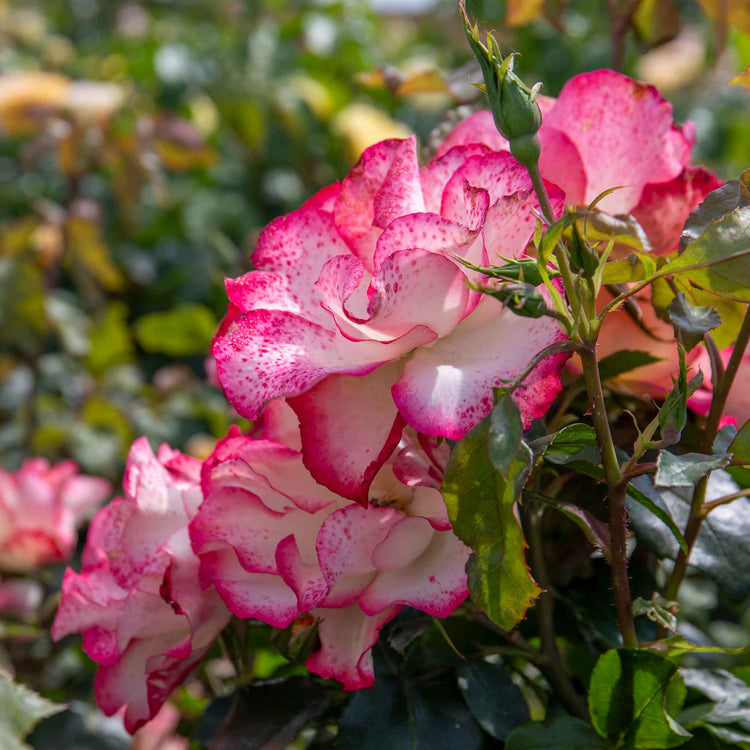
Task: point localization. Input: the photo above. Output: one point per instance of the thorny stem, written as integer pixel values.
(552, 668)
(718, 402)
(616, 489)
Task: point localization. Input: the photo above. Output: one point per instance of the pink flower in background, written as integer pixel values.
(137, 601)
(360, 314)
(276, 544)
(40, 508)
(606, 130)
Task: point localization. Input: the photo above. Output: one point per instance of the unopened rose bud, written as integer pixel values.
(514, 106)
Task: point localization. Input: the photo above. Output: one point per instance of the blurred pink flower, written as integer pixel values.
(40, 508)
(137, 601)
(276, 544)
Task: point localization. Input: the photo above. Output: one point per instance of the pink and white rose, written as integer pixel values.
(41, 506)
(277, 544)
(360, 314)
(143, 615)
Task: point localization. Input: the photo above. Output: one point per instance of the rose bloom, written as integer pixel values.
(137, 601)
(40, 508)
(360, 314)
(277, 545)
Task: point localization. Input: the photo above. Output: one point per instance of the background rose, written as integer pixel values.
(137, 601)
(41, 506)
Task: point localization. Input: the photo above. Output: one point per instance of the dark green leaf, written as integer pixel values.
(623, 361)
(480, 505)
(673, 413)
(633, 698)
(718, 259)
(685, 470)
(595, 530)
(562, 733)
(721, 550)
(715, 206)
(402, 715)
(730, 697)
(692, 322)
(522, 299)
(740, 446)
(497, 704)
(505, 435)
(572, 439)
(271, 712)
(80, 727)
(650, 500)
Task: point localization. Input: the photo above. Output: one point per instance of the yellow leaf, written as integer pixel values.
(424, 82)
(520, 12)
(728, 12)
(742, 79)
(88, 249)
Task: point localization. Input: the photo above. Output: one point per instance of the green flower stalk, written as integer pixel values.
(514, 107)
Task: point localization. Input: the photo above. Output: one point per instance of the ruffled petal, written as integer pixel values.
(382, 185)
(623, 131)
(664, 207)
(447, 389)
(346, 638)
(420, 567)
(350, 426)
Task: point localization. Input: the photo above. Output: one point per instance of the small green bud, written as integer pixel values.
(514, 107)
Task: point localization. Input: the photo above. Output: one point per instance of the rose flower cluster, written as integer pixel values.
(358, 345)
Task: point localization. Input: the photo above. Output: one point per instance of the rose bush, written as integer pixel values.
(41, 506)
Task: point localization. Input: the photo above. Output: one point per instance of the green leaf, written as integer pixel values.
(110, 339)
(562, 733)
(730, 698)
(20, 710)
(656, 611)
(88, 249)
(673, 413)
(595, 530)
(408, 715)
(271, 712)
(740, 446)
(572, 439)
(692, 322)
(496, 702)
(715, 206)
(480, 506)
(517, 270)
(718, 259)
(721, 550)
(685, 470)
(184, 330)
(656, 21)
(522, 299)
(505, 435)
(655, 506)
(633, 697)
(623, 361)
(22, 314)
(635, 267)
